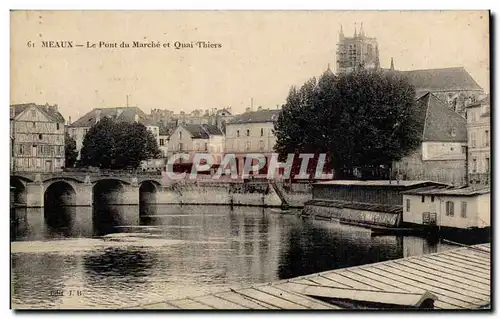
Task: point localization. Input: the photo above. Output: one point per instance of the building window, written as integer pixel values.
(34, 124)
(423, 199)
(206, 147)
(162, 142)
(473, 139)
(261, 145)
(238, 133)
(487, 163)
(248, 145)
(261, 132)
(180, 146)
(486, 138)
(474, 165)
(408, 205)
(464, 149)
(40, 136)
(248, 132)
(57, 125)
(33, 113)
(180, 135)
(450, 208)
(453, 132)
(463, 212)
(432, 199)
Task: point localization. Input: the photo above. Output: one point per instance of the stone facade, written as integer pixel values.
(356, 51)
(479, 144)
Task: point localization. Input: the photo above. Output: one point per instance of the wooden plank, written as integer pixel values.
(454, 283)
(243, 301)
(444, 274)
(324, 281)
(302, 300)
(452, 268)
(368, 272)
(394, 298)
(218, 303)
(470, 254)
(305, 281)
(371, 280)
(441, 296)
(478, 272)
(159, 305)
(349, 282)
(269, 299)
(433, 286)
(189, 304)
(462, 261)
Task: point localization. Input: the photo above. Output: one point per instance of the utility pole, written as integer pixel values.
(251, 104)
(127, 99)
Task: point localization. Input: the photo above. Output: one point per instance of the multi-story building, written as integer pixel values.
(355, 52)
(441, 157)
(78, 129)
(479, 144)
(36, 138)
(217, 117)
(195, 138)
(251, 132)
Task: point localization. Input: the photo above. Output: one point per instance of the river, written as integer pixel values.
(64, 262)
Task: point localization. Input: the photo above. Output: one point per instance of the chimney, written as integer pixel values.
(69, 120)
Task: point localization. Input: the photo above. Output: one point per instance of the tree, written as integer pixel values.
(118, 145)
(70, 153)
(363, 119)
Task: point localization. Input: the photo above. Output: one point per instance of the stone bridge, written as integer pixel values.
(83, 188)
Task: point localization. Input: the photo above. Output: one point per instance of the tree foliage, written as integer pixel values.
(360, 119)
(117, 145)
(70, 152)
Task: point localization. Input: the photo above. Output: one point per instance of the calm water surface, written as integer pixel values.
(60, 259)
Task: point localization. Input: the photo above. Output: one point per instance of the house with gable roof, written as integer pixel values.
(36, 138)
(78, 129)
(441, 157)
(197, 138)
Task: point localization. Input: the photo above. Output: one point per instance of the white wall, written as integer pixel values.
(484, 211)
(443, 151)
(255, 142)
(439, 207)
(184, 138)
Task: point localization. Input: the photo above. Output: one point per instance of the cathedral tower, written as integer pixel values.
(358, 51)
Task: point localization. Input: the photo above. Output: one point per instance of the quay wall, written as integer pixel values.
(222, 194)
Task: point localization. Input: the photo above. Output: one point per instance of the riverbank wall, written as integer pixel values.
(236, 194)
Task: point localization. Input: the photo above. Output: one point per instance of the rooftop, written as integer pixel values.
(438, 122)
(50, 111)
(441, 80)
(464, 191)
(126, 114)
(202, 130)
(255, 117)
(392, 183)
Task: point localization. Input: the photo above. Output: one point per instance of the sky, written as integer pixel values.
(261, 54)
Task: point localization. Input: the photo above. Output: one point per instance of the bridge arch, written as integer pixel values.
(147, 192)
(58, 196)
(108, 192)
(18, 190)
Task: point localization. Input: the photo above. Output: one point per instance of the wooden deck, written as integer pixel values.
(456, 279)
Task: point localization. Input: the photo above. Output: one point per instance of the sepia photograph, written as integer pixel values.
(250, 160)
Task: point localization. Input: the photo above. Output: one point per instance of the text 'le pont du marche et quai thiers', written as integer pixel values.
(124, 44)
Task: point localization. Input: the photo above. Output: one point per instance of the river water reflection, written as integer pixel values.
(190, 250)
